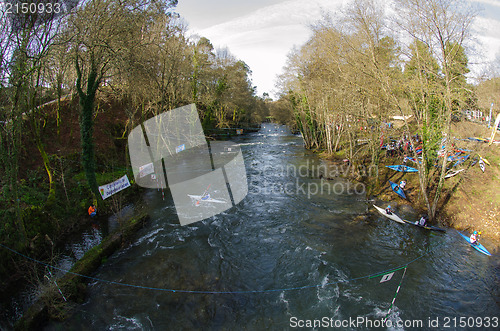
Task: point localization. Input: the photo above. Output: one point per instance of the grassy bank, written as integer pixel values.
(48, 224)
(474, 199)
(469, 201)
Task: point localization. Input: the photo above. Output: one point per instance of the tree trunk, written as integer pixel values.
(46, 163)
(86, 124)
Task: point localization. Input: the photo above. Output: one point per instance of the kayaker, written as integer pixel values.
(388, 210)
(92, 211)
(473, 238)
(405, 159)
(402, 184)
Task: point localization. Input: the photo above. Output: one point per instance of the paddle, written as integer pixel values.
(198, 201)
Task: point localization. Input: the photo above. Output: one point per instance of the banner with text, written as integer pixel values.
(114, 187)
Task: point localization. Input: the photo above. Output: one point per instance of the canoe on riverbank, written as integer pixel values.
(398, 190)
(402, 168)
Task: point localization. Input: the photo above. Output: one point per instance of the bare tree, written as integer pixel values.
(105, 32)
(26, 39)
(436, 29)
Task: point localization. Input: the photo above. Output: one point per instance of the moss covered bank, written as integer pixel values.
(73, 284)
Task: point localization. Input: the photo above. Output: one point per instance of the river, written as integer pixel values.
(298, 250)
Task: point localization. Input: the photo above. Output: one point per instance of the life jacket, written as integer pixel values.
(473, 237)
(91, 210)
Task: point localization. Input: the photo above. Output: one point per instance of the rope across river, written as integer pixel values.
(380, 273)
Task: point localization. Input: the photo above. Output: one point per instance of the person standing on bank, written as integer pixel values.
(92, 211)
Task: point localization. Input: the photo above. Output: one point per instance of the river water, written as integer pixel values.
(297, 249)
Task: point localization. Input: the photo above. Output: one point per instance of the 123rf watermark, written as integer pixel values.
(365, 322)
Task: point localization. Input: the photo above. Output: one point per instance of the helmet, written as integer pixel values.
(389, 206)
(475, 232)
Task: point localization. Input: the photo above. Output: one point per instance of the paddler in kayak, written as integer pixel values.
(389, 210)
(402, 184)
(405, 159)
(422, 221)
(473, 238)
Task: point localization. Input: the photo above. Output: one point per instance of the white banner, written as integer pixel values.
(146, 170)
(114, 187)
(180, 148)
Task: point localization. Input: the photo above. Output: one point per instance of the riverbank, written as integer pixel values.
(278, 249)
(470, 201)
(57, 301)
(49, 223)
(53, 197)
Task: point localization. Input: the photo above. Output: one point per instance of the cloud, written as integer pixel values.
(495, 3)
(487, 45)
(264, 37)
(281, 14)
(486, 27)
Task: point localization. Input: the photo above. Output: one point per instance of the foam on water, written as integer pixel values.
(129, 323)
(150, 237)
(251, 144)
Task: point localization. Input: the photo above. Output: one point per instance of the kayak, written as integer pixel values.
(477, 246)
(484, 160)
(461, 160)
(393, 216)
(481, 165)
(453, 173)
(205, 198)
(398, 190)
(427, 227)
(462, 150)
(402, 168)
(482, 140)
(453, 157)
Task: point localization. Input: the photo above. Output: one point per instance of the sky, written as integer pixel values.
(263, 32)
